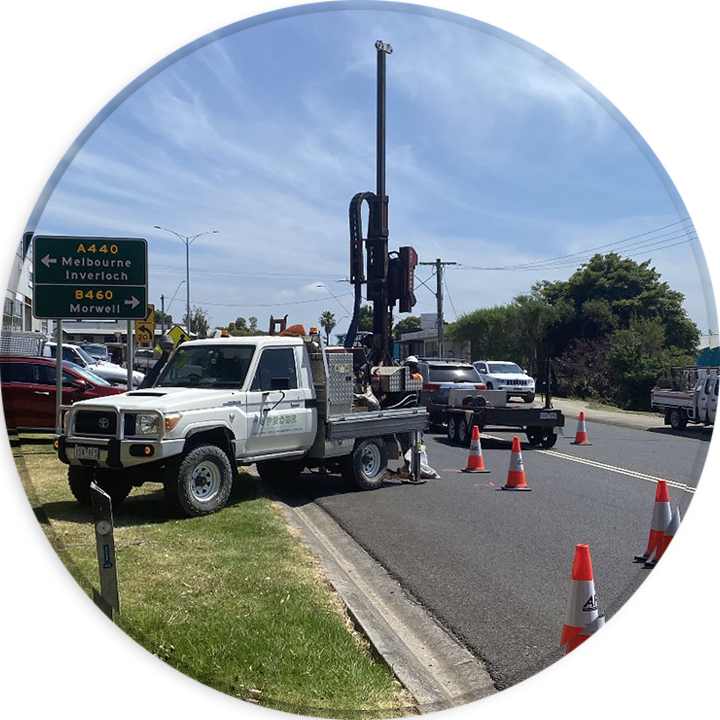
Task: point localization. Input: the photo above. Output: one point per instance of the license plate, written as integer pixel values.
(83, 452)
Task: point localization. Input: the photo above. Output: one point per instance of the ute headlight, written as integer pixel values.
(146, 424)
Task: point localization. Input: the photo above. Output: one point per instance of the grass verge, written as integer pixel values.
(233, 599)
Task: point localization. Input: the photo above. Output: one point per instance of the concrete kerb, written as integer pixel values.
(636, 421)
(436, 670)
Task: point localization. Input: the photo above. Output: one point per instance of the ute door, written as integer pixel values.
(704, 398)
(278, 418)
(713, 400)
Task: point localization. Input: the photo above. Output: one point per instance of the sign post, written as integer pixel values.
(108, 599)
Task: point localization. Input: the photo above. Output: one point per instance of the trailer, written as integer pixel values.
(490, 409)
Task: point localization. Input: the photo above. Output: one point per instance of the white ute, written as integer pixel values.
(692, 398)
(285, 403)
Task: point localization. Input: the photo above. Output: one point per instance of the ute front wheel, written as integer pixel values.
(202, 482)
(113, 482)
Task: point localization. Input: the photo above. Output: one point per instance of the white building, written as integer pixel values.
(424, 342)
(17, 308)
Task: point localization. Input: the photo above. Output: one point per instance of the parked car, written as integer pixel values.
(439, 376)
(505, 375)
(144, 359)
(108, 371)
(29, 389)
(98, 352)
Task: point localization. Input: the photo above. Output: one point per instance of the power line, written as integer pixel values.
(241, 273)
(659, 242)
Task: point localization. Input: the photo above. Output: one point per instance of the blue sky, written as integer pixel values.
(494, 159)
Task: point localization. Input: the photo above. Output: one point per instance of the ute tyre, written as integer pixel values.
(202, 482)
(79, 479)
(678, 419)
(112, 482)
(365, 467)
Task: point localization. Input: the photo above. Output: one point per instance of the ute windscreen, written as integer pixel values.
(207, 366)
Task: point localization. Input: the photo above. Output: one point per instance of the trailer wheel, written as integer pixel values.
(534, 436)
(549, 439)
(452, 429)
(463, 432)
(366, 465)
(201, 483)
(678, 419)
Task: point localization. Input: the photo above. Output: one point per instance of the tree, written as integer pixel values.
(365, 322)
(160, 315)
(327, 322)
(408, 324)
(608, 293)
(198, 322)
(253, 324)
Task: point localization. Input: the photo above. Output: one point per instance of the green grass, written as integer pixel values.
(233, 599)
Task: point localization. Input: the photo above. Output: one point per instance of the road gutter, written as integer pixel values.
(437, 671)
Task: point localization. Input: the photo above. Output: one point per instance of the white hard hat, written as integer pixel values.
(411, 359)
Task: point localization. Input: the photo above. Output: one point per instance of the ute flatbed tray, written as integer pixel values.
(375, 423)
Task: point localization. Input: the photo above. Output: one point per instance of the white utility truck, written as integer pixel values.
(284, 403)
(692, 396)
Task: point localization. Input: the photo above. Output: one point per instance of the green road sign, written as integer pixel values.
(89, 277)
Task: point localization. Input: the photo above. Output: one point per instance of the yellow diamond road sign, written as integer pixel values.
(178, 335)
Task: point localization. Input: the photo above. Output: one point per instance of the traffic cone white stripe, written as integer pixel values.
(593, 627)
(582, 604)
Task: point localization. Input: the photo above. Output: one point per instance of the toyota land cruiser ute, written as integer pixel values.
(283, 403)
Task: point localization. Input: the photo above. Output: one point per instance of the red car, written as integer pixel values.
(28, 389)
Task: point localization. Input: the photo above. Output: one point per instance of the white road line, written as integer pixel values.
(604, 466)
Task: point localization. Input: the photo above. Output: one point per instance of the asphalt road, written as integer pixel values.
(494, 567)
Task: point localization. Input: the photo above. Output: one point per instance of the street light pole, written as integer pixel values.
(188, 240)
(321, 285)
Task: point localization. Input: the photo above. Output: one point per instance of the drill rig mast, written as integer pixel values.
(389, 279)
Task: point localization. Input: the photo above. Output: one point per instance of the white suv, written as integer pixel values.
(504, 375)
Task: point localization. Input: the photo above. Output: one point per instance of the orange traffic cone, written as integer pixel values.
(476, 464)
(581, 436)
(581, 617)
(660, 520)
(516, 473)
(668, 535)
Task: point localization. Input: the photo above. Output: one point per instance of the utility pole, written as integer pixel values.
(439, 266)
(162, 316)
